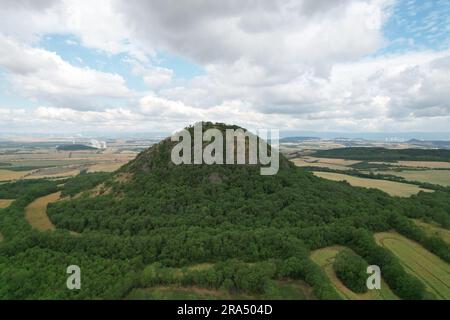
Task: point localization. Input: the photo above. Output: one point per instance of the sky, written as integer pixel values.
(140, 66)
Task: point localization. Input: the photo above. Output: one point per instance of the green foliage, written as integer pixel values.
(74, 147)
(383, 154)
(83, 182)
(351, 270)
(150, 227)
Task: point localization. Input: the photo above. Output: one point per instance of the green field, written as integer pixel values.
(431, 270)
(441, 177)
(325, 257)
(393, 188)
(433, 230)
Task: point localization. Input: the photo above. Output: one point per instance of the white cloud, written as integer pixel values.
(43, 75)
(293, 64)
(154, 76)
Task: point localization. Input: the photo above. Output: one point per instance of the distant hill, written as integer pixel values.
(431, 143)
(383, 154)
(298, 139)
(74, 147)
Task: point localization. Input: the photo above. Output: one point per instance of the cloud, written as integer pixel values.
(293, 64)
(154, 76)
(276, 35)
(43, 75)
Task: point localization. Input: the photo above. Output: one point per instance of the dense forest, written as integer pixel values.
(148, 223)
(74, 147)
(383, 154)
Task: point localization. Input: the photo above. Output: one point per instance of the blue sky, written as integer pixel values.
(355, 65)
(417, 25)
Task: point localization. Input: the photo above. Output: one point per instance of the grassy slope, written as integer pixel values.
(432, 271)
(433, 230)
(36, 212)
(325, 257)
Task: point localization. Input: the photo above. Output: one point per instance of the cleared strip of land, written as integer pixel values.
(433, 230)
(337, 164)
(418, 164)
(428, 268)
(391, 187)
(36, 212)
(441, 177)
(5, 203)
(325, 258)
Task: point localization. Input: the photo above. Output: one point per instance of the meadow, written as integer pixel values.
(433, 230)
(325, 257)
(433, 272)
(337, 164)
(36, 212)
(393, 188)
(440, 177)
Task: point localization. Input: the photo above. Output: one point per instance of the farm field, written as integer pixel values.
(325, 257)
(337, 164)
(431, 270)
(418, 164)
(433, 230)
(105, 167)
(5, 203)
(51, 164)
(441, 177)
(391, 187)
(36, 212)
(8, 175)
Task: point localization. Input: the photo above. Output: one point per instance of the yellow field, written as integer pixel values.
(325, 257)
(5, 203)
(7, 175)
(433, 230)
(418, 164)
(105, 167)
(391, 187)
(36, 212)
(428, 268)
(441, 177)
(337, 164)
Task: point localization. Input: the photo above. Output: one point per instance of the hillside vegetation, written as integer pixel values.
(145, 225)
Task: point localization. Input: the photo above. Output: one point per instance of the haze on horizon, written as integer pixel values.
(142, 66)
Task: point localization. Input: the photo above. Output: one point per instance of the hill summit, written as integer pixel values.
(160, 155)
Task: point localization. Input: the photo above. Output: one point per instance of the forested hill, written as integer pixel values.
(152, 224)
(383, 154)
(159, 155)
